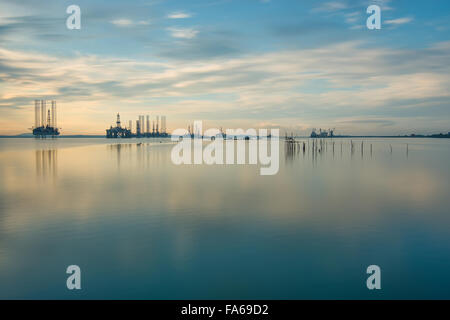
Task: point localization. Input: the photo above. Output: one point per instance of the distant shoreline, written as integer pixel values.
(65, 136)
(436, 136)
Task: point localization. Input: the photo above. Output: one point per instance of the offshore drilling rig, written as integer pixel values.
(144, 128)
(118, 131)
(45, 120)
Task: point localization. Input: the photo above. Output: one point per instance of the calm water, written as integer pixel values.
(141, 227)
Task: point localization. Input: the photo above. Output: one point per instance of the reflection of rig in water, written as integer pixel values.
(138, 154)
(46, 163)
(44, 126)
(142, 131)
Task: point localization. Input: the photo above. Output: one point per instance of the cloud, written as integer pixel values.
(304, 28)
(129, 23)
(384, 4)
(399, 21)
(207, 45)
(183, 33)
(27, 26)
(316, 87)
(340, 7)
(178, 15)
(122, 22)
(353, 17)
(382, 122)
(331, 6)
(200, 49)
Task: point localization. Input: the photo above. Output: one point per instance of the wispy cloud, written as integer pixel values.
(353, 17)
(129, 23)
(331, 6)
(179, 15)
(122, 22)
(280, 85)
(345, 5)
(399, 21)
(183, 33)
(384, 4)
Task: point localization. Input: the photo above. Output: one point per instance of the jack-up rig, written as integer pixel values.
(45, 120)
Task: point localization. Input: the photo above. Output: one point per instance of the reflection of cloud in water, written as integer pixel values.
(139, 180)
(127, 210)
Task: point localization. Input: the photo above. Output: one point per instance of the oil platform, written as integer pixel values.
(45, 120)
(144, 129)
(118, 131)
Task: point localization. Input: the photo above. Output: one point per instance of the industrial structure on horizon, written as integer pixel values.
(45, 119)
(322, 133)
(144, 129)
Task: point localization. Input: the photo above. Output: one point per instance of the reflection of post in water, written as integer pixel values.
(290, 148)
(317, 149)
(362, 149)
(46, 163)
(294, 147)
(333, 149)
(351, 148)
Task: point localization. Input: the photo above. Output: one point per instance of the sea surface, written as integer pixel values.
(140, 227)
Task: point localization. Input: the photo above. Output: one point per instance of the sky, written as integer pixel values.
(293, 65)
